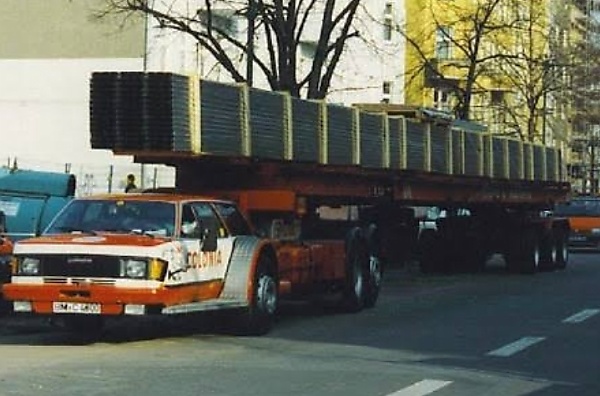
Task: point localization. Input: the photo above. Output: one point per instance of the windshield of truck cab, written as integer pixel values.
(579, 207)
(122, 216)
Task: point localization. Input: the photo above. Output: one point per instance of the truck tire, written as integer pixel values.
(353, 294)
(530, 253)
(258, 318)
(374, 270)
(549, 251)
(562, 250)
(430, 254)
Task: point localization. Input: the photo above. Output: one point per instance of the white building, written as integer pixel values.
(371, 69)
(50, 48)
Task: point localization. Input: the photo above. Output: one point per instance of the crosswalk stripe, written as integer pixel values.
(421, 388)
(516, 347)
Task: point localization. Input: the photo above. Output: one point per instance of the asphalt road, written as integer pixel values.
(486, 334)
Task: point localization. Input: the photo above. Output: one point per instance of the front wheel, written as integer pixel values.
(258, 318)
(353, 298)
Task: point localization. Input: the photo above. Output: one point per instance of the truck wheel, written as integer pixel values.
(374, 270)
(258, 318)
(562, 250)
(430, 256)
(531, 254)
(549, 251)
(353, 295)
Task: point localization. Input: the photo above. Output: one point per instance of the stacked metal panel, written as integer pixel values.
(396, 142)
(104, 89)
(515, 152)
(371, 140)
(267, 121)
(439, 151)
(220, 119)
(499, 158)
(553, 164)
(528, 160)
(473, 153)
(134, 111)
(305, 126)
(457, 151)
(415, 145)
(539, 170)
(167, 107)
(341, 136)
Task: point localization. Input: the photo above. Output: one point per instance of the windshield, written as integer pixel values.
(90, 216)
(579, 207)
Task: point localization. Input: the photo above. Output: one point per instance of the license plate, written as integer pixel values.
(75, 307)
(577, 238)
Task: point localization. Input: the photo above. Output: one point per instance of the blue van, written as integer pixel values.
(30, 199)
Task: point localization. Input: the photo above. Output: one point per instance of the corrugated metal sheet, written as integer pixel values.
(528, 161)
(516, 163)
(457, 151)
(130, 116)
(371, 140)
(104, 88)
(167, 112)
(267, 136)
(439, 151)
(538, 159)
(415, 145)
(473, 153)
(220, 118)
(340, 138)
(305, 122)
(499, 163)
(396, 142)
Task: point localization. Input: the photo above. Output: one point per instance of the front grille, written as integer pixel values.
(80, 266)
(55, 280)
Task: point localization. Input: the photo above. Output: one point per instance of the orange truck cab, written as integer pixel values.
(583, 213)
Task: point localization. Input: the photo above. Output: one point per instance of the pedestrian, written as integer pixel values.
(130, 183)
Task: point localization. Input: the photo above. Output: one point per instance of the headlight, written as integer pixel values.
(29, 266)
(133, 268)
(595, 231)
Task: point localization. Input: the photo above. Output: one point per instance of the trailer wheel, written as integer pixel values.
(258, 318)
(549, 251)
(430, 254)
(353, 295)
(531, 253)
(374, 270)
(562, 250)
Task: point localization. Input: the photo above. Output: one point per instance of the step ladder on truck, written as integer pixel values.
(277, 197)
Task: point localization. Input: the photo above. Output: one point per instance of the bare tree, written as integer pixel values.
(280, 26)
(533, 72)
(468, 29)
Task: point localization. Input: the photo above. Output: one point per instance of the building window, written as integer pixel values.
(386, 90)
(496, 97)
(443, 42)
(388, 22)
(387, 29)
(441, 99)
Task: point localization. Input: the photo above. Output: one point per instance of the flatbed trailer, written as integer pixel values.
(330, 192)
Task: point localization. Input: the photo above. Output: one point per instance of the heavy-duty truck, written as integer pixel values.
(277, 197)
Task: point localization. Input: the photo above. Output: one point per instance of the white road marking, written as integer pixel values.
(581, 316)
(421, 388)
(515, 347)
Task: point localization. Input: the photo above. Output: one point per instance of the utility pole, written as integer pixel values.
(250, 42)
